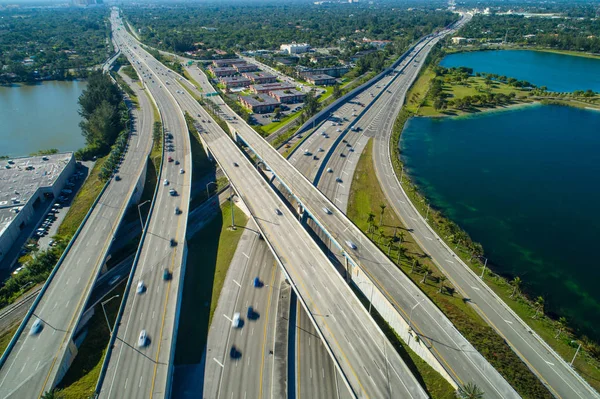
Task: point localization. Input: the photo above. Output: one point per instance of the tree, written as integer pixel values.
(390, 242)
(337, 91)
(469, 391)
(427, 271)
(370, 220)
(442, 279)
(562, 325)
(382, 206)
(311, 105)
(516, 283)
(53, 394)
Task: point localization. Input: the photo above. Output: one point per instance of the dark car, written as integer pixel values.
(173, 242)
(256, 282)
(166, 274)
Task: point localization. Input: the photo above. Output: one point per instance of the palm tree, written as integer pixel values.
(414, 264)
(381, 235)
(390, 241)
(442, 279)
(562, 324)
(401, 236)
(427, 270)
(539, 302)
(516, 284)
(469, 391)
(382, 206)
(370, 220)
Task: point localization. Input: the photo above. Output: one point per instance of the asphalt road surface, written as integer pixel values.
(32, 365)
(134, 370)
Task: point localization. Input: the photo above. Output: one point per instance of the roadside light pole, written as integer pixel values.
(231, 206)
(207, 185)
(574, 356)
(104, 310)
(140, 213)
(484, 265)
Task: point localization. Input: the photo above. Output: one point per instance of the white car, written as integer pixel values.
(351, 244)
(326, 210)
(140, 287)
(236, 321)
(166, 182)
(181, 171)
(142, 339)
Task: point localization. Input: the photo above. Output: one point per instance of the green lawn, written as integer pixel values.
(366, 196)
(7, 336)
(189, 77)
(327, 94)
(83, 201)
(209, 254)
(274, 126)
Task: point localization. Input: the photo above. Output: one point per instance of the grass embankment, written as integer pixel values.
(189, 77)
(126, 88)
(273, 126)
(366, 197)
(432, 381)
(7, 336)
(82, 202)
(82, 376)
(209, 255)
(587, 362)
(157, 138)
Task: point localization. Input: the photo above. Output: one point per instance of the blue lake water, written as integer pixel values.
(525, 183)
(558, 72)
(40, 116)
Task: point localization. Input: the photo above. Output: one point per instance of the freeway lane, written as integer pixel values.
(459, 358)
(382, 372)
(133, 371)
(32, 366)
(249, 375)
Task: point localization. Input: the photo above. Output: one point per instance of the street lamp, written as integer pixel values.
(484, 265)
(207, 185)
(140, 213)
(371, 299)
(104, 310)
(411, 312)
(576, 352)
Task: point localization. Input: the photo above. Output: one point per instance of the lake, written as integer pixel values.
(558, 72)
(525, 184)
(40, 116)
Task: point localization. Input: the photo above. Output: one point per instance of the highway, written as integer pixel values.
(337, 321)
(460, 359)
(33, 365)
(249, 376)
(135, 371)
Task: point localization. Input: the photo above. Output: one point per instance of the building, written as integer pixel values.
(336, 71)
(28, 187)
(266, 88)
(226, 62)
(241, 67)
(320, 80)
(288, 96)
(294, 48)
(259, 103)
(223, 71)
(234, 81)
(260, 77)
(458, 40)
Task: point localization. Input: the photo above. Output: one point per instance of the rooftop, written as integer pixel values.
(319, 77)
(274, 86)
(287, 93)
(259, 99)
(254, 75)
(23, 177)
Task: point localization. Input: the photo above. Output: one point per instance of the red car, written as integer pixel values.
(170, 159)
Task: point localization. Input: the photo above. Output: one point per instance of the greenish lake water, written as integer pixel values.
(40, 116)
(558, 72)
(524, 183)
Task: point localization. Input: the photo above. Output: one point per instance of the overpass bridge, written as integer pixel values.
(431, 334)
(369, 363)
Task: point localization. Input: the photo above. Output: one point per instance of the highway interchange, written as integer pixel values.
(136, 371)
(297, 253)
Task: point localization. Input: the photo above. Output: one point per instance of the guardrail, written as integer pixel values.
(114, 333)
